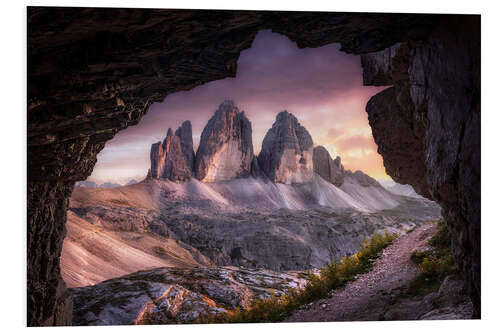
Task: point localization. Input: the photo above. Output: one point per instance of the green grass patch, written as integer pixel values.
(333, 276)
(434, 264)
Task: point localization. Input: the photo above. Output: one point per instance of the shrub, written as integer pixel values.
(418, 256)
(434, 264)
(441, 241)
(334, 275)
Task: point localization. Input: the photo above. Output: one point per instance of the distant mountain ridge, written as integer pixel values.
(91, 184)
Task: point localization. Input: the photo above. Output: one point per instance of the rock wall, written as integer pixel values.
(49, 303)
(92, 72)
(427, 128)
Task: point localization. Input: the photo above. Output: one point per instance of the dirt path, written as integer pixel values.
(370, 295)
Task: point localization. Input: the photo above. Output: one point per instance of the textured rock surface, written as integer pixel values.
(173, 158)
(94, 71)
(287, 151)
(398, 131)
(226, 149)
(49, 303)
(167, 295)
(331, 170)
(427, 128)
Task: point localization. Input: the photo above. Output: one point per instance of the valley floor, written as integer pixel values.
(379, 293)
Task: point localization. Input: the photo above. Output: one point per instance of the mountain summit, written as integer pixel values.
(226, 149)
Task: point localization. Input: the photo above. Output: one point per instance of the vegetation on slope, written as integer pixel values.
(434, 264)
(333, 276)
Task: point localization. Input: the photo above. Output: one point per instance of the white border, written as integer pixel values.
(13, 199)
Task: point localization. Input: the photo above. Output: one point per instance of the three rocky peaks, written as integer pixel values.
(226, 152)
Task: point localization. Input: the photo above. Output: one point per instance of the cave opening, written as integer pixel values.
(210, 184)
(67, 129)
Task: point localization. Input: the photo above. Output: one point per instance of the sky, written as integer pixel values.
(322, 87)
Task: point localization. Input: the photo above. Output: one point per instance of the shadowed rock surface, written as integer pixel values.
(331, 170)
(226, 149)
(287, 151)
(185, 134)
(427, 128)
(85, 84)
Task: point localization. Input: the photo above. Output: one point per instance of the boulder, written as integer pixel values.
(256, 170)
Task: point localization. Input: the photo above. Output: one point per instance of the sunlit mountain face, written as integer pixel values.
(321, 86)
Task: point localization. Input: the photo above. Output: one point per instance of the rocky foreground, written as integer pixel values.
(176, 295)
(173, 295)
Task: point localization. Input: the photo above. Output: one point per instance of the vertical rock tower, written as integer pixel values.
(226, 148)
(173, 158)
(287, 151)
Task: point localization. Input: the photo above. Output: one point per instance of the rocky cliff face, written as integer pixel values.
(172, 159)
(226, 149)
(84, 85)
(287, 151)
(329, 169)
(427, 128)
